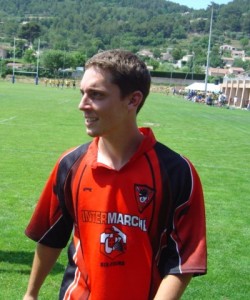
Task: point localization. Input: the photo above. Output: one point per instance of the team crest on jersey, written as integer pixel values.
(143, 195)
(113, 242)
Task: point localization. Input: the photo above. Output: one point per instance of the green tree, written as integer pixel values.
(215, 59)
(154, 63)
(246, 22)
(239, 63)
(157, 53)
(79, 59)
(29, 31)
(179, 33)
(29, 56)
(10, 27)
(177, 53)
(244, 42)
(3, 69)
(198, 25)
(54, 60)
(21, 46)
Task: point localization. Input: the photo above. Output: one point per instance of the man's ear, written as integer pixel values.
(135, 99)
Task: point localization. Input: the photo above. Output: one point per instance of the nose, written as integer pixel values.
(85, 103)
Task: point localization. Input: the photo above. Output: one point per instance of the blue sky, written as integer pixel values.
(199, 4)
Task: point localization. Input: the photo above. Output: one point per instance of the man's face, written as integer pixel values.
(105, 112)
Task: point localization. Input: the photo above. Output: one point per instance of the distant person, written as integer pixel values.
(222, 99)
(135, 206)
(235, 100)
(209, 100)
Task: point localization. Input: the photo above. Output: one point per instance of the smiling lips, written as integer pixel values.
(90, 120)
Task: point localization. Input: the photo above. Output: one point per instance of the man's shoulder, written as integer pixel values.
(170, 158)
(166, 152)
(71, 155)
(75, 151)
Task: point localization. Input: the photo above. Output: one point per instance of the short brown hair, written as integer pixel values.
(127, 71)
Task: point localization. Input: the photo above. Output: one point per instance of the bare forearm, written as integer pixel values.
(44, 259)
(172, 287)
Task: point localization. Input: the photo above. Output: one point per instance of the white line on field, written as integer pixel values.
(7, 120)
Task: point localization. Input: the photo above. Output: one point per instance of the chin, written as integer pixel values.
(92, 133)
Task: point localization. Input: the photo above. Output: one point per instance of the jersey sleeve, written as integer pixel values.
(185, 250)
(49, 225)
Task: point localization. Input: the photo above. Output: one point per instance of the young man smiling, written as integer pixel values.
(135, 206)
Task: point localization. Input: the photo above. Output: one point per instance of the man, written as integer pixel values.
(135, 206)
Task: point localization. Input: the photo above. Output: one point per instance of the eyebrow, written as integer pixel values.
(91, 90)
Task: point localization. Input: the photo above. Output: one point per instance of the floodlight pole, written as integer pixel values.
(208, 51)
(37, 61)
(14, 59)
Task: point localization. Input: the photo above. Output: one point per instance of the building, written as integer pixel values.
(236, 71)
(3, 52)
(220, 72)
(146, 53)
(228, 61)
(185, 59)
(227, 48)
(238, 54)
(166, 56)
(237, 91)
(246, 58)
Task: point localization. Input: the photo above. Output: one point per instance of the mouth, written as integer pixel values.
(90, 120)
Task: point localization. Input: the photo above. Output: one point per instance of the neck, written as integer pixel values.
(116, 152)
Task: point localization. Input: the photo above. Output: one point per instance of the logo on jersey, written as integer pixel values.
(113, 242)
(143, 195)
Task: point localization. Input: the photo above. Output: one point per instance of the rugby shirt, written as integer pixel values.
(130, 227)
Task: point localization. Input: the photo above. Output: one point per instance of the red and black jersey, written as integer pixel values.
(130, 227)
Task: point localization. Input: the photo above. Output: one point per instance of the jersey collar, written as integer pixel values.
(147, 143)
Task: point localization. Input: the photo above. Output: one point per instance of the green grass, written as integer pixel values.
(38, 123)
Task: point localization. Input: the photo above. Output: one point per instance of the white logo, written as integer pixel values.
(113, 242)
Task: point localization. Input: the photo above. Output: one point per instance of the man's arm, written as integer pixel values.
(172, 287)
(44, 259)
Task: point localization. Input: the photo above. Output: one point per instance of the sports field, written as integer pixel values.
(38, 123)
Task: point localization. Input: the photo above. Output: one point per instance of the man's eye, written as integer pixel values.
(96, 95)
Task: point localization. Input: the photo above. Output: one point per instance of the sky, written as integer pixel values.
(200, 4)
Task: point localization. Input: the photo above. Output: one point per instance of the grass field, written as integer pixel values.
(38, 123)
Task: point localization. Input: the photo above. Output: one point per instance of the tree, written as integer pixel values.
(29, 56)
(53, 60)
(157, 53)
(29, 31)
(21, 46)
(244, 42)
(79, 59)
(198, 25)
(215, 59)
(246, 23)
(3, 69)
(128, 24)
(179, 33)
(239, 63)
(154, 63)
(177, 54)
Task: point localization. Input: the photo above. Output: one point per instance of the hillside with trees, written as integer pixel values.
(84, 27)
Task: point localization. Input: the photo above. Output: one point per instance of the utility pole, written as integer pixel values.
(208, 51)
(14, 61)
(37, 61)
